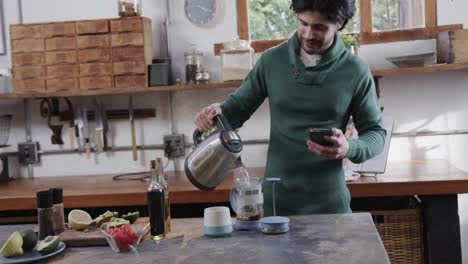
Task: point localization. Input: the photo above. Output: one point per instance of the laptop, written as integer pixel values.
(377, 164)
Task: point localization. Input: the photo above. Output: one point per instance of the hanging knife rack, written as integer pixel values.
(114, 114)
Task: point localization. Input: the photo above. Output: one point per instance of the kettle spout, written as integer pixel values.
(239, 162)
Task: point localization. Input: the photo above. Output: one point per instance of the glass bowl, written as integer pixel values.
(125, 238)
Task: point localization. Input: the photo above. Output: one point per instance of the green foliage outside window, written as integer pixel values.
(274, 19)
(271, 19)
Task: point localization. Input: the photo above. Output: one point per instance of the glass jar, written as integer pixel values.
(236, 60)
(203, 76)
(193, 64)
(129, 8)
(248, 199)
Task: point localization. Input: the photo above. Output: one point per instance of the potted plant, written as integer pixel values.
(351, 42)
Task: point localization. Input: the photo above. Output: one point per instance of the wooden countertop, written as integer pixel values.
(401, 178)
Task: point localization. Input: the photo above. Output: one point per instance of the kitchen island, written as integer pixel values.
(343, 238)
(435, 182)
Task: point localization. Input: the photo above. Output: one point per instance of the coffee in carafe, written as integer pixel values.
(247, 202)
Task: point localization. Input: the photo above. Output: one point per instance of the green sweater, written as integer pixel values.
(300, 97)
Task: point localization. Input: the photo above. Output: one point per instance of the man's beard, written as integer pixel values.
(311, 46)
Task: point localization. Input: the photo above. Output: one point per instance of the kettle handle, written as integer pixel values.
(222, 124)
(232, 199)
(197, 137)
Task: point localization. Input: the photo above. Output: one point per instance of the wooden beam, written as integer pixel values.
(366, 16)
(258, 46)
(431, 13)
(405, 34)
(243, 19)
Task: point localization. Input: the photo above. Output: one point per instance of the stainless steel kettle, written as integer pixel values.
(210, 161)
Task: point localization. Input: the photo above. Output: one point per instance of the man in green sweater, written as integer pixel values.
(311, 81)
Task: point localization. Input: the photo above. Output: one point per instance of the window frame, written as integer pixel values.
(430, 30)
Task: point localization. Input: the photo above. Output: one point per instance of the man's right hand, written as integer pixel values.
(204, 119)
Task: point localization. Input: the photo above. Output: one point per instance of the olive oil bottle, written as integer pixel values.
(155, 196)
(167, 203)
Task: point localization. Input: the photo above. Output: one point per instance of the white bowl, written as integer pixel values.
(217, 221)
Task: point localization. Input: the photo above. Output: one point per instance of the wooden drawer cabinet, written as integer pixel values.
(62, 43)
(26, 31)
(26, 72)
(93, 69)
(33, 58)
(129, 67)
(59, 29)
(62, 71)
(128, 53)
(126, 25)
(92, 27)
(91, 55)
(27, 45)
(60, 57)
(92, 83)
(29, 85)
(93, 41)
(67, 84)
(127, 39)
(131, 81)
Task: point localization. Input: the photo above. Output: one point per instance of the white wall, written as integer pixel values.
(429, 101)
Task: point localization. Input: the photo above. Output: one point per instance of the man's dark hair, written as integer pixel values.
(337, 11)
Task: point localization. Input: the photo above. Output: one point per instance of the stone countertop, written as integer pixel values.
(341, 238)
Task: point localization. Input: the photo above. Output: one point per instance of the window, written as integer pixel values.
(269, 22)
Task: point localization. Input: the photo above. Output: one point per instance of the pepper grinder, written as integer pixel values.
(45, 214)
(274, 224)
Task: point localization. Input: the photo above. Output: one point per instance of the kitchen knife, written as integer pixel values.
(132, 127)
(86, 130)
(98, 126)
(79, 127)
(105, 128)
(71, 123)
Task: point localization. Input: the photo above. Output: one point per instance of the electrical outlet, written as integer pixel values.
(174, 145)
(28, 153)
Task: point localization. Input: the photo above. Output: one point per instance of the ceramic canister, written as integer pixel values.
(217, 221)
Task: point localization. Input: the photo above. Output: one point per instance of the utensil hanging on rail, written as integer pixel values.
(132, 127)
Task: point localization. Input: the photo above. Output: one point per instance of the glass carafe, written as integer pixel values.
(236, 60)
(247, 199)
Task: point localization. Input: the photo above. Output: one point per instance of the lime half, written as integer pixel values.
(13, 247)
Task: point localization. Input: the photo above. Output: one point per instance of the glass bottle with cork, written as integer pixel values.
(167, 203)
(155, 196)
(45, 214)
(57, 208)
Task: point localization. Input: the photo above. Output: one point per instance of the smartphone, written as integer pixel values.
(317, 135)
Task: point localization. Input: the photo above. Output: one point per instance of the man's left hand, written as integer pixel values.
(338, 150)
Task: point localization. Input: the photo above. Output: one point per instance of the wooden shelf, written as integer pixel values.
(235, 84)
(115, 91)
(433, 68)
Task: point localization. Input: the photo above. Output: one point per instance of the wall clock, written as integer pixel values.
(200, 12)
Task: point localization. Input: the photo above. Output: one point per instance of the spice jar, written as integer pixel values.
(192, 64)
(129, 8)
(57, 207)
(202, 77)
(45, 214)
(236, 60)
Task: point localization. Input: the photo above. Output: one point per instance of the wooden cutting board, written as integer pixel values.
(93, 237)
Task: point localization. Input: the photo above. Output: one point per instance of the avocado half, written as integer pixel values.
(48, 245)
